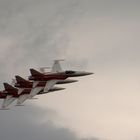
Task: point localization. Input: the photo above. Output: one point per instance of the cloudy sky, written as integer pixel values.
(100, 36)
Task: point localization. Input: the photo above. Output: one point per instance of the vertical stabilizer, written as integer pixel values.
(9, 88)
(56, 66)
(35, 72)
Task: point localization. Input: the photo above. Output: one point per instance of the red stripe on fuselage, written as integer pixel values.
(24, 85)
(48, 77)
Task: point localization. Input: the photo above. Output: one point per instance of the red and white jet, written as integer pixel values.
(12, 93)
(23, 84)
(56, 75)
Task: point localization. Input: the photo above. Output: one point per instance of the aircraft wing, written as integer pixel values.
(56, 66)
(7, 101)
(49, 85)
(35, 91)
(22, 99)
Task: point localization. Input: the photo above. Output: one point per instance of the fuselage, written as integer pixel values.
(29, 84)
(58, 75)
(49, 76)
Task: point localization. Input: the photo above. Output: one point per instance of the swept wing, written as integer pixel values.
(7, 101)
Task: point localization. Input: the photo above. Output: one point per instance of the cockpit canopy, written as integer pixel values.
(70, 72)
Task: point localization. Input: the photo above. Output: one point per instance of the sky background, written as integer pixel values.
(100, 36)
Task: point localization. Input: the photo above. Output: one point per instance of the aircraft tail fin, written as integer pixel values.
(56, 66)
(20, 79)
(8, 87)
(35, 72)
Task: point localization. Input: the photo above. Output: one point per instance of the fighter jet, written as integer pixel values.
(23, 83)
(39, 82)
(12, 94)
(51, 78)
(8, 97)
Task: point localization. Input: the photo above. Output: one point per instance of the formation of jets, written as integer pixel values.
(39, 82)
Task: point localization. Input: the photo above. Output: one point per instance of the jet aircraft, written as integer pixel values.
(57, 74)
(23, 83)
(10, 94)
(39, 82)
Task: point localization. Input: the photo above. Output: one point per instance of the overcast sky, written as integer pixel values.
(100, 36)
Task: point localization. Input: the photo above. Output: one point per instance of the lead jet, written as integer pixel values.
(23, 84)
(51, 78)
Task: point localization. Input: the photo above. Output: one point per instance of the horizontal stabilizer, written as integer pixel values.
(35, 72)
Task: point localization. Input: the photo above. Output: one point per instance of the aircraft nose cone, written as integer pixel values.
(89, 73)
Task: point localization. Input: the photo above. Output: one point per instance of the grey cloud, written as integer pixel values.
(38, 28)
(111, 8)
(25, 123)
(37, 31)
(104, 33)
